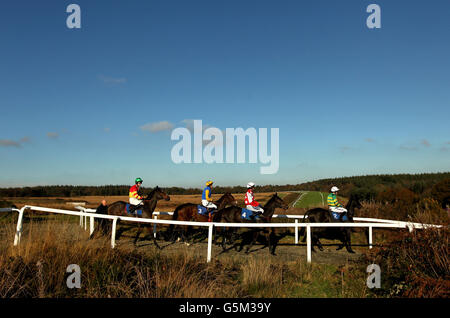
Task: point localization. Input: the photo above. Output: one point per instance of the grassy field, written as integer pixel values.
(313, 199)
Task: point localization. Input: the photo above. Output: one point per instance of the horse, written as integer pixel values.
(320, 215)
(119, 208)
(189, 212)
(233, 215)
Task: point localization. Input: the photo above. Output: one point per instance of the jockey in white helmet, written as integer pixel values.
(334, 205)
(250, 202)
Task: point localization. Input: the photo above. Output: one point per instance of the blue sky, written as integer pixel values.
(348, 100)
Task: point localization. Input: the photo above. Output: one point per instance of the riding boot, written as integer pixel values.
(133, 208)
(210, 213)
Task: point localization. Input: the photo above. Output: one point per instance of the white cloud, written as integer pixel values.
(9, 143)
(52, 135)
(12, 143)
(156, 127)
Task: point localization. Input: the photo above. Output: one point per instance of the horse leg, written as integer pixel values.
(272, 242)
(366, 232)
(177, 233)
(244, 240)
(225, 234)
(137, 234)
(186, 234)
(233, 237)
(119, 232)
(170, 233)
(150, 232)
(348, 242)
(91, 236)
(319, 244)
(314, 241)
(255, 236)
(216, 233)
(101, 226)
(224, 243)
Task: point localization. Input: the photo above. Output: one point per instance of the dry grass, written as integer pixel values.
(415, 264)
(37, 268)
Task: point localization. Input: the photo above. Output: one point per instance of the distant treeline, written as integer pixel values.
(366, 187)
(369, 187)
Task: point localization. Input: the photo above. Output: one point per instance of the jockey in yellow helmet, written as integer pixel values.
(206, 196)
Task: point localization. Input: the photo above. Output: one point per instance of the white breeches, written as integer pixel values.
(209, 204)
(135, 201)
(255, 208)
(337, 209)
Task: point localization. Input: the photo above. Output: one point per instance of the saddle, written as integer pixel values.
(337, 216)
(249, 215)
(131, 209)
(206, 212)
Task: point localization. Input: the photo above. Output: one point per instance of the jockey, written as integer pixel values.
(334, 205)
(206, 197)
(250, 202)
(135, 198)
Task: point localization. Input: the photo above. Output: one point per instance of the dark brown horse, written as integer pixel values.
(233, 215)
(319, 215)
(119, 208)
(189, 212)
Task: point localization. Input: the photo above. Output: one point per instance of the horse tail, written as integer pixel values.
(175, 213)
(174, 217)
(302, 230)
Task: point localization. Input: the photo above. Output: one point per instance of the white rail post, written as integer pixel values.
(410, 227)
(210, 233)
(154, 226)
(370, 237)
(81, 220)
(308, 243)
(85, 222)
(296, 231)
(113, 233)
(19, 227)
(91, 225)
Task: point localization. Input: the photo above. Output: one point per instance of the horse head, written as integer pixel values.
(276, 202)
(228, 198)
(157, 194)
(352, 204)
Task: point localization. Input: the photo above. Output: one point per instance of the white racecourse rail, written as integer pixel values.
(376, 223)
